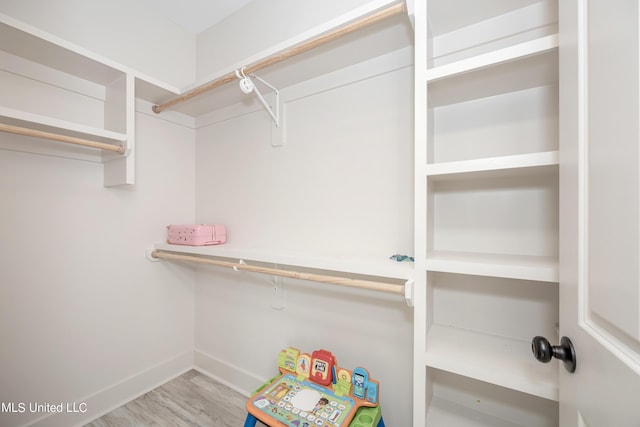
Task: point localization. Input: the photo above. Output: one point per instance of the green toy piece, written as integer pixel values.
(367, 417)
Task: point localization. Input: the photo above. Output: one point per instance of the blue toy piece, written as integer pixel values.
(250, 421)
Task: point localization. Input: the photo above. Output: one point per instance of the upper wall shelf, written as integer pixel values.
(40, 47)
(50, 124)
(385, 36)
(53, 89)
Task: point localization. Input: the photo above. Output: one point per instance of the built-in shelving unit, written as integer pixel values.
(486, 211)
(52, 86)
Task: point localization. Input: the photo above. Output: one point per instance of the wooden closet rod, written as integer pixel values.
(333, 280)
(312, 43)
(61, 138)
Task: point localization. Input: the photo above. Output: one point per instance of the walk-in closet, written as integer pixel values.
(441, 191)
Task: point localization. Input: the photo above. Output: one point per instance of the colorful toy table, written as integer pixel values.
(293, 400)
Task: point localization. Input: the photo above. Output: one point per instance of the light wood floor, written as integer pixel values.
(192, 399)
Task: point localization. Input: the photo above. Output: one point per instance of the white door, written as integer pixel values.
(600, 211)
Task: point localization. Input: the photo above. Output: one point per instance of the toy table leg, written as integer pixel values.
(380, 423)
(251, 421)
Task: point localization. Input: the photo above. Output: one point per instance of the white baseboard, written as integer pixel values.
(118, 394)
(234, 377)
(94, 406)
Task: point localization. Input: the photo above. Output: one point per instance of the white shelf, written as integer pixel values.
(503, 361)
(38, 122)
(519, 51)
(38, 46)
(382, 38)
(493, 166)
(97, 91)
(378, 267)
(506, 76)
(443, 412)
(538, 268)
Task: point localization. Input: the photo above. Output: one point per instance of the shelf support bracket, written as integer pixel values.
(148, 254)
(409, 292)
(276, 293)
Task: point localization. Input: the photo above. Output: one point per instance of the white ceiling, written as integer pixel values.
(195, 15)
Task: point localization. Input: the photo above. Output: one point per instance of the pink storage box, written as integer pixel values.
(196, 234)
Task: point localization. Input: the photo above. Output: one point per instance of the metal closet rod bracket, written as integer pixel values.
(247, 86)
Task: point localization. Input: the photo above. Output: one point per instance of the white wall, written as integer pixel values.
(84, 317)
(120, 30)
(341, 185)
(260, 25)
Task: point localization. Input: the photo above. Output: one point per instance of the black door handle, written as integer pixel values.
(544, 352)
